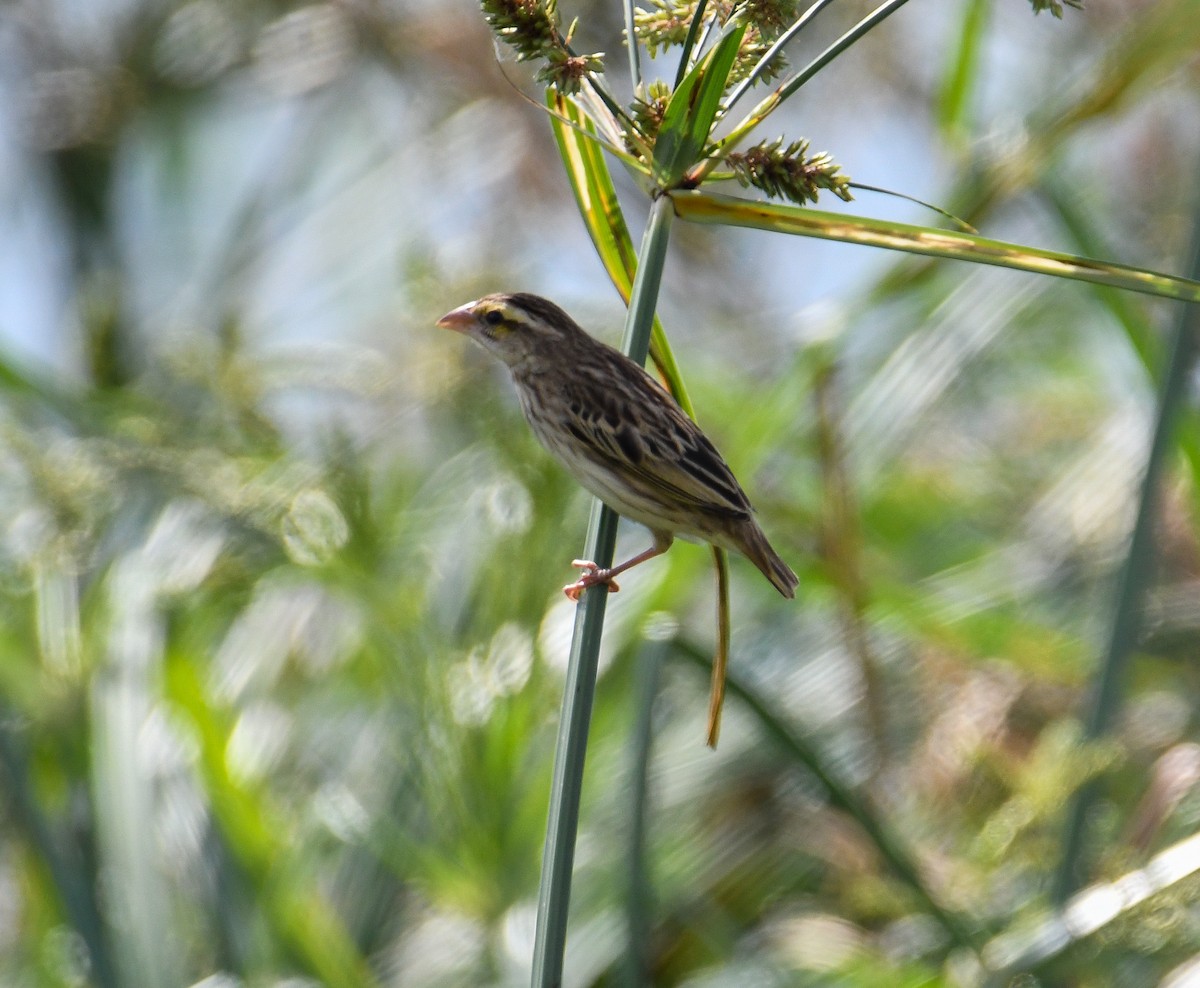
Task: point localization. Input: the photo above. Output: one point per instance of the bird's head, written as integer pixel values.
(519, 328)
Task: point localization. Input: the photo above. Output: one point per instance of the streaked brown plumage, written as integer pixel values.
(618, 433)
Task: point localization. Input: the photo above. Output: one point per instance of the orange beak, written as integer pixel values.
(459, 319)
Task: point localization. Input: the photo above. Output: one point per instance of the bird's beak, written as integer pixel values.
(459, 319)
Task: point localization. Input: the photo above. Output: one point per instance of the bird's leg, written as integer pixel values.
(593, 574)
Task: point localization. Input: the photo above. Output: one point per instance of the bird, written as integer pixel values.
(619, 433)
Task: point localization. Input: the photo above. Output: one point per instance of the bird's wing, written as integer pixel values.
(638, 429)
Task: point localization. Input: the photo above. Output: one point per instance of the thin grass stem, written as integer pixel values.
(780, 43)
(777, 96)
(1136, 574)
(716, 694)
(631, 44)
(554, 892)
(962, 72)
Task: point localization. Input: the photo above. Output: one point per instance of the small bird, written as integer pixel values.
(619, 433)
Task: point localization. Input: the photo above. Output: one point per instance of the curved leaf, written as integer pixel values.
(692, 111)
(708, 207)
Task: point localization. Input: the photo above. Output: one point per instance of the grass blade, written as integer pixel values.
(296, 910)
(708, 207)
(1136, 574)
(689, 42)
(954, 99)
(631, 45)
(692, 111)
(1120, 306)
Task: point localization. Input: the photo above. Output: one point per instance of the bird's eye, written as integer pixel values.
(493, 318)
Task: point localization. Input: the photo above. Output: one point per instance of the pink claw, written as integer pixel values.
(592, 575)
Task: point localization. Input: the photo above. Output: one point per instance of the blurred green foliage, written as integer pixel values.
(280, 628)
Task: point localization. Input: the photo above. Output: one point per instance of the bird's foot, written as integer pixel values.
(592, 576)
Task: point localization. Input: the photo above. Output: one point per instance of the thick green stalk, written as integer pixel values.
(554, 893)
(1136, 574)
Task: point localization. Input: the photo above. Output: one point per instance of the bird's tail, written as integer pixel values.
(758, 550)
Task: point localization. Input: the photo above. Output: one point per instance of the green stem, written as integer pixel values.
(631, 43)
(554, 893)
(1136, 573)
(640, 895)
(958, 86)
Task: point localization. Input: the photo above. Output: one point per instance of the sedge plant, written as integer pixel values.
(678, 141)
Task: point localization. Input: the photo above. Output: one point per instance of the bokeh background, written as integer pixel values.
(281, 640)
